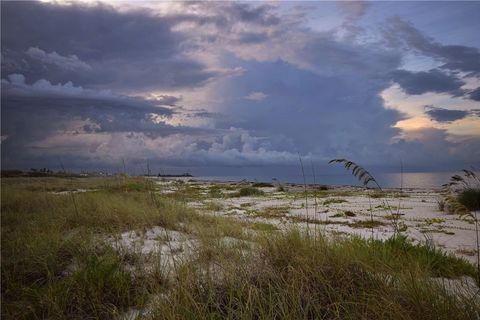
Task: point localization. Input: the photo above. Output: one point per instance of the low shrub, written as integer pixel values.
(248, 192)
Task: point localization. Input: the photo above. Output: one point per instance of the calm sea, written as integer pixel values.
(386, 180)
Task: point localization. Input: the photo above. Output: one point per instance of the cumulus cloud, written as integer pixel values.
(15, 85)
(71, 62)
(35, 113)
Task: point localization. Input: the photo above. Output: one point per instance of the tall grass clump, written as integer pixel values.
(463, 198)
(57, 262)
(294, 275)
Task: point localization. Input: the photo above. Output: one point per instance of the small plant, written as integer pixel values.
(350, 214)
(360, 173)
(280, 187)
(441, 205)
(248, 192)
(332, 201)
(464, 200)
(365, 177)
(215, 192)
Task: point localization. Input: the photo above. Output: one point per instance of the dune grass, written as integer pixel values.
(58, 264)
(295, 276)
(55, 263)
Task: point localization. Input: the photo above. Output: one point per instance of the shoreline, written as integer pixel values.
(310, 186)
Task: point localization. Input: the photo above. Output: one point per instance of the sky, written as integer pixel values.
(220, 87)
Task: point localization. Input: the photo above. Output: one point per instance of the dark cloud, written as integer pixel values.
(455, 57)
(328, 56)
(310, 113)
(445, 115)
(431, 148)
(247, 13)
(427, 81)
(96, 46)
(474, 94)
(35, 115)
(206, 114)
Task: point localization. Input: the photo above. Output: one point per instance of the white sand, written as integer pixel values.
(418, 213)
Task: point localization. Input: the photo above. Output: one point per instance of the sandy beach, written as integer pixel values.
(337, 210)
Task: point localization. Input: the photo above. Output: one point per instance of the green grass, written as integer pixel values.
(213, 206)
(397, 253)
(294, 276)
(44, 235)
(260, 226)
(215, 192)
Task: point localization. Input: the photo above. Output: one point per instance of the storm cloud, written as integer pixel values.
(223, 84)
(96, 46)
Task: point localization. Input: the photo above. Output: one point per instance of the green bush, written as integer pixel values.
(215, 192)
(262, 185)
(470, 198)
(247, 192)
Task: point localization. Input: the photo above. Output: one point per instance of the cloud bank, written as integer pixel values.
(225, 84)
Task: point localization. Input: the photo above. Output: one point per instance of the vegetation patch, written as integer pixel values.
(470, 198)
(268, 227)
(367, 224)
(333, 200)
(273, 212)
(213, 206)
(57, 263)
(434, 221)
(295, 276)
(248, 192)
(262, 185)
(215, 192)
(349, 214)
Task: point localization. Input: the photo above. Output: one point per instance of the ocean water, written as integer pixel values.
(386, 180)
